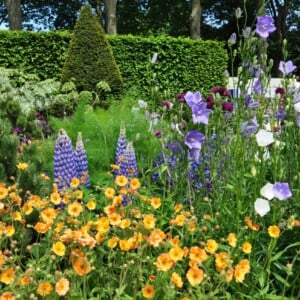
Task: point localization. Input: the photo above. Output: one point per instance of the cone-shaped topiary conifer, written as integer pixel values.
(90, 58)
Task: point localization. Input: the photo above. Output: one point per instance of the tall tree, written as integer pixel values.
(13, 8)
(111, 16)
(196, 19)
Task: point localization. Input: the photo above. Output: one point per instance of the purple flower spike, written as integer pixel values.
(264, 26)
(194, 139)
(81, 161)
(64, 160)
(192, 99)
(121, 144)
(287, 67)
(128, 165)
(281, 190)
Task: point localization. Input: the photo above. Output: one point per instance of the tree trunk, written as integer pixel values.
(110, 16)
(195, 16)
(14, 14)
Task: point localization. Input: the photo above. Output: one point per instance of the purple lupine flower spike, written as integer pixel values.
(128, 165)
(64, 162)
(81, 161)
(121, 145)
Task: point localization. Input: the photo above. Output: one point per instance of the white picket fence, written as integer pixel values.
(274, 84)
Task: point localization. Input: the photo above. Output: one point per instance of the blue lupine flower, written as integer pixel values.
(121, 146)
(81, 161)
(64, 160)
(128, 165)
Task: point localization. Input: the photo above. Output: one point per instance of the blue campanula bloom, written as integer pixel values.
(194, 139)
(286, 67)
(200, 113)
(249, 127)
(264, 26)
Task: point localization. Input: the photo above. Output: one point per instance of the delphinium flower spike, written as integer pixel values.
(64, 160)
(81, 161)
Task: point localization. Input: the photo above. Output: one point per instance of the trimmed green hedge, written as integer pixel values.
(183, 64)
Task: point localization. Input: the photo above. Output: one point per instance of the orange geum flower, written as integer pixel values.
(91, 204)
(179, 220)
(176, 253)
(3, 192)
(241, 269)
(177, 280)
(121, 180)
(102, 224)
(75, 209)
(156, 237)
(149, 221)
(78, 194)
(88, 241)
(7, 296)
(148, 291)
(59, 227)
(155, 203)
(125, 245)
(22, 166)
(62, 286)
(198, 254)
(211, 246)
(117, 200)
(48, 214)
(99, 237)
(164, 262)
(25, 280)
(195, 276)
(113, 242)
(41, 227)
(10, 230)
(27, 208)
(2, 258)
(274, 231)
(55, 198)
(17, 216)
(114, 219)
(229, 274)
(59, 248)
(125, 223)
(177, 207)
(75, 182)
(231, 238)
(81, 266)
(7, 276)
(109, 209)
(17, 200)
(109, 193)
(192, 226)
(222, 261)
(247, 247)
(134, 183)
(44, 289)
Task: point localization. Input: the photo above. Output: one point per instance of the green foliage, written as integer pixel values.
(90, 57)
(182, 64)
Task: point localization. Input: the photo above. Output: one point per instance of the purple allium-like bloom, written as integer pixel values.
(180, 97)
(167, 104)
(17, 130)
(64, 160)
(280, 91)
(264, 26)
(249, 127)
(257, 87)
(81, 161)
(281, 190)
(158, 133)
(227, 106)
(192, 99)
(200, 113)
(287, 67)
(194, 139)
(128, 165)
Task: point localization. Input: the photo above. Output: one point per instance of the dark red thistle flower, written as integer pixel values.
(280, 90)
(227, 106)
(180, 97)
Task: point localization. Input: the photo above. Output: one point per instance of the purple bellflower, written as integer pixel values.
(281, 190)
(264, 26)
(192, 99)
(286, 67)
(194, 139)
(249, 127)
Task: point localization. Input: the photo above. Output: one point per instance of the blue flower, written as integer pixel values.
(286, 67)
(194, 139)
(264, 26)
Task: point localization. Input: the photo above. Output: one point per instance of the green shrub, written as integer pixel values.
(90, 58)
